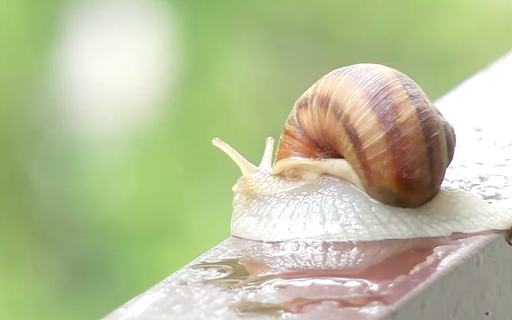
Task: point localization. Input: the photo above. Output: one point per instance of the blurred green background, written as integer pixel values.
(108, 179)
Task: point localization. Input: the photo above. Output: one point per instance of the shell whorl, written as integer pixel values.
(382, 123)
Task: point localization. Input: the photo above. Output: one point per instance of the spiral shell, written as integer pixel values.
(382, 123)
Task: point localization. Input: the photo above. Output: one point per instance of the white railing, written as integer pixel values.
(467, 279)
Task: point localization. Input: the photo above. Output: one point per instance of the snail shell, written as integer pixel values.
(362, 157)
(382, 123)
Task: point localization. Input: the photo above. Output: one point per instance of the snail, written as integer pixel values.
(362, 157)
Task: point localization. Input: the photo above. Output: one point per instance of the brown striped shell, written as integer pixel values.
(382, 123)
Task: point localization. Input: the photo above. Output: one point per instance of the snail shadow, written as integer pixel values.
(331, 279)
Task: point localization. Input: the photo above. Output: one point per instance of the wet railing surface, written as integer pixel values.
(464, 277)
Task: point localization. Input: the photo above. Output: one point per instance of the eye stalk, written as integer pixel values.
(266, 160)
(246, 167)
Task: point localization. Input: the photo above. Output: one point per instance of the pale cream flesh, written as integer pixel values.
(324, 200)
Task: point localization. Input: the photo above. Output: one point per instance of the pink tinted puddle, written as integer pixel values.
(357, 280)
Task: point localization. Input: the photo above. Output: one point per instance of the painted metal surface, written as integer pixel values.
(459, 278)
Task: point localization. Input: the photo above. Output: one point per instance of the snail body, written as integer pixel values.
(362, 157)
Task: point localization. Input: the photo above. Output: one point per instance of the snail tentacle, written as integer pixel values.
(245, 166)
(266, 160)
